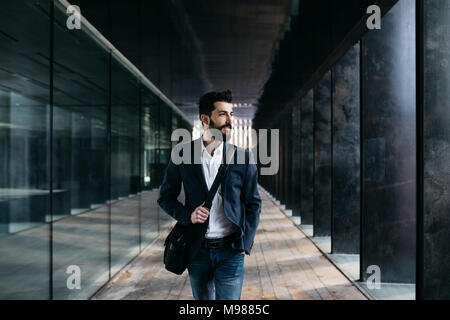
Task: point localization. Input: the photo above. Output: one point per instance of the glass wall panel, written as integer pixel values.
(165, 129)
(165, 147)
(80, 161)
(24, 149)
(149, 205)
(125, 180)
(83, 172)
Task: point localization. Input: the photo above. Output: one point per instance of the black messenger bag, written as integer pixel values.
(176, 241)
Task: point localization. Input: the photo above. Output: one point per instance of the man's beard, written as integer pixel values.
(225, 137)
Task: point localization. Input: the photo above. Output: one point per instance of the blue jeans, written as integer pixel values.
(222, 269)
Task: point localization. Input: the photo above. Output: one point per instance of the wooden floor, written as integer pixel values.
(284, 264)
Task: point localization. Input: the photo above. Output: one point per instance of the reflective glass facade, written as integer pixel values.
(84, 140)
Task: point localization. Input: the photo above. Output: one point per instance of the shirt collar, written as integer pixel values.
(217, 153)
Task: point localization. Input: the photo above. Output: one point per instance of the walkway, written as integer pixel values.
(284, 264)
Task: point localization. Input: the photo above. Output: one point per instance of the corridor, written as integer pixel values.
(284, 265)
(345, 106)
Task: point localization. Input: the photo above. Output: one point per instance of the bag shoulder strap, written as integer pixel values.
(219, 177)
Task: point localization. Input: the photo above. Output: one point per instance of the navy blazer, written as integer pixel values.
(242, 203)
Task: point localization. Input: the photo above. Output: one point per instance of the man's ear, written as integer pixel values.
(205, 119)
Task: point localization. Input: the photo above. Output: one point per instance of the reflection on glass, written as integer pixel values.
(165, 129)
(165, 146)
(125, 180)
(80, 161)
(24, 150)
(98, 148)
(149, 205)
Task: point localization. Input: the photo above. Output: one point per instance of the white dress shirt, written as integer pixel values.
(219, 226)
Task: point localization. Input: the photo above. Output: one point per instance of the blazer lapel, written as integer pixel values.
(229, 152)
(199, 173)
(196, 147)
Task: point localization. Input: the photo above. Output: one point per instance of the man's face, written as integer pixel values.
(222, 117)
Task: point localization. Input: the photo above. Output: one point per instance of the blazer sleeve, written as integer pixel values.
(168, 195)
(252, 206)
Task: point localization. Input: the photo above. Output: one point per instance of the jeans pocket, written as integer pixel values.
(236, 251)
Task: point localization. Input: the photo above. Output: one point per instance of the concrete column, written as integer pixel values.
(389, 146)
(282, 180)
(289, 155)
(307, 158)
(278, 175)
(288, 160)
(322, 157)
(346, 153)
(296, 159)
(434, 280)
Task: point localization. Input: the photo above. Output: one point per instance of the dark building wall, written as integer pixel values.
(344, 16)
(145, 33)
(288, 162)
(322, 157)
(282, 154)
(322, 30)
(389, 146)
(307, 158)
(435, 281)
(321, 27)
(296, 160)
(346, 153)
(279, 181)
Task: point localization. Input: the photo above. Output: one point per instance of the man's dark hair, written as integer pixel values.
(206, 103)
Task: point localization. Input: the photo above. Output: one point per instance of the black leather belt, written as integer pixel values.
(220, 243)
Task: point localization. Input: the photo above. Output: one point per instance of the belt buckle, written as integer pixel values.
(213, 244)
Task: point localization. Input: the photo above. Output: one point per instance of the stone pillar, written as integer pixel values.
(434, 273)
(389, 146)
(296, 159)
(288, 160)
(307, 158)
(346, 153)
(282, 180)
(322, 157)
(280, 168)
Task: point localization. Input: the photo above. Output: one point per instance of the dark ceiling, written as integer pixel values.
(189, 47)
(268, 52)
